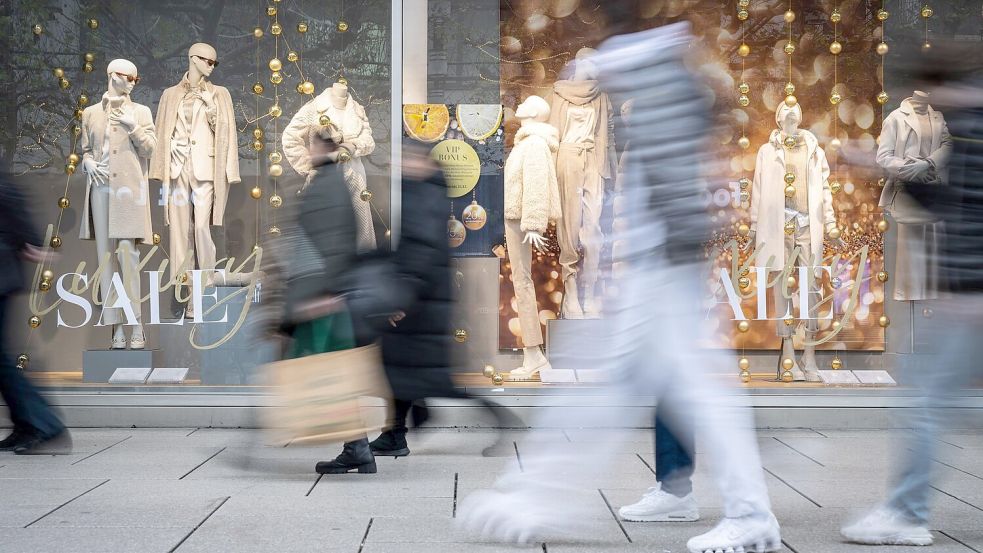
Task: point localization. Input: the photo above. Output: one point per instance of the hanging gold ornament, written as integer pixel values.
(342, 80)
(63, 202)
(882, 98)
(745, 196)
(744, 101)
(474, 216)
(276, 110)
(743, 3)
(256, 192)
(276, 157)
(744, 88)
(836, 364)
(743, 230)
(881, 182)
(488, 371)
(456, 232)
(835, 187)
(271, 11)
(70, 169)
(34, 321)
(884, 321)
(882, 48)
(44, 285)
(743, 326)
(78, 115)
(744, 363)
(743, 50)
(927, 12)
(789, 142)
(835, 48)
(92, 23)
(307, 87)
(787, 376)
(58, 72)
(882, 276)
(258, 33)
(365, 195)
(498, 380)
(324, 120)
(791, 101)
(276, 201)
(74, 158)
(275, 230)
(342, 26)
(835, 233)
(156, 238)
(744, 183)
(276, 64)
(743, 14)
(89, 57)
(257, 133)
(745, 377)
(276, 29)
(47, 274)
(344, 157)
(83, 100)
(789, 16)
(789, 89)
(787, 364)
(389, 233)
(883, 226)
(276, 170)
(88, 67)
(926, 47)
(835, 144)
(460, 336)
(883, 14)
(836, 16)
(22, 361)
(835, 98)
(258, 145)
(302, 27)
(276, 77)
(55, 242)
(792, 282)
(789, 48)
(744, 283)
(789, 178)
(744, 142)
(64, 83)
(292, 56)
(258, 88)
(790, 227)
(37, 29)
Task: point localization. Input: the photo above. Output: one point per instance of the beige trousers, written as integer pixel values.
(803, 241)
(125, 262)
(916, 268)
(520, 258)
(581, 199)
(190, 212)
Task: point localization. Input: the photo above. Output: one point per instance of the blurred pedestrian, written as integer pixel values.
(37, 429)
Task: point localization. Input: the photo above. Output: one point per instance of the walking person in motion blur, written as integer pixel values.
(651, 346)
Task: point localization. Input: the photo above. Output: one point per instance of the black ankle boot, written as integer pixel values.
(391, 443)
(355, 456)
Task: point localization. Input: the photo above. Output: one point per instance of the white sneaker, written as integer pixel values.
(755, 533)
(886, 526)
(659, 506)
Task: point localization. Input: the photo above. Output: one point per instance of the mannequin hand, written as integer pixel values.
(125, 119)
(96, 172)
(837, 244)
(913, 168)
(750, 242)
(537, 240)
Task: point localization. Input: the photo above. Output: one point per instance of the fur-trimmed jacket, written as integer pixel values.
(532, 195)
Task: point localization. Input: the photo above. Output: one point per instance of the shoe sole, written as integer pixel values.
(891, 540)
(367, 468)
(756, 548)
(676, 516)
(403, 452)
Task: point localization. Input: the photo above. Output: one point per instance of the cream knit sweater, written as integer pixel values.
(532, 195)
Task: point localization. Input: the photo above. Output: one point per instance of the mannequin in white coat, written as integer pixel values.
(117, 141)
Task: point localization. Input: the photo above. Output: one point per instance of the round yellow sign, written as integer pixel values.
(461, 166)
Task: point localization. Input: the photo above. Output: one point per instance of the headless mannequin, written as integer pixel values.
(339, 96)
(98, 173)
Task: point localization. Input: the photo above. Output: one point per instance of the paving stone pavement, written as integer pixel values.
(216, 490)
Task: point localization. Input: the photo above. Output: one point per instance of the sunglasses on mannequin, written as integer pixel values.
(128, 78)
(211, 63)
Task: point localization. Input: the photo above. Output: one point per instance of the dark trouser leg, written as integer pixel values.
(28, 410)
(400, 415)
(673, 459)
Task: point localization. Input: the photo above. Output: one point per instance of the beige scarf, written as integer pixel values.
(581, 93)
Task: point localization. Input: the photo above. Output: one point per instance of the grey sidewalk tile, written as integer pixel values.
(382, 484)
(103, 540)
(809, 533)
(22, 501)
(449, 548)
(136, 460)
(597, 531)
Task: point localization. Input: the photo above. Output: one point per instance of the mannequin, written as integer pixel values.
(532, 201)
(117, 142)
(788, 217)
(342, 111)
(197, 160)
(914, 147)
(583, 116)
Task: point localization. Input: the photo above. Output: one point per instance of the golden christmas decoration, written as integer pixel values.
(276, 64)
(789, 48)
(344, 157)
(744, 363)
(881, 182)
(743, 326)
(258, 145)
(257, 133)
(835, 16)
(498, 380)
(836, 364)
(882, 98)
(22, 361)
(292, 56)
(92, 23)
(302, 27)
(276, 157)
(324, 120)
(456, 232)
(787, 364)
(835, 98)
(258, 33)
(835, 187)
(275, 230)
(743, 230)
(47, 274)
(882, 48)
(883, 226)
(787, 376)
(258, 88)
(744, 183)
(83, 100)
(744, 142)
(790, 227)
(745, 196)
(44, 285)
(884, 321)
(34, 321)
(342, 26)
(835, 47)
(789, 16)
(342, 80)
(156, 238)
(37, 29)
(789, 142)
(389, 233)
(460, 336)
(365, 196)
(276, 201)
(744, 101)
(276, 77)
(743, 15)
(78, 115)
(743, 50)
(276, 29)
(789, 178)
(474, 216)
(64, 83)
(271, 11)
(926, 47)
(743, 3)
(744, 88)
(745, 377)
(70, 169)
(58, 72)
(744, 283)
(882, 15)
(927, 12)
(55, 242)
(74, 158)
(789, 89)
(276, 170)
(89, 57)
(791, 101)
(307, 87)
(63, 202)
(256, 192)
(276, 110)
(835, 144)
(88, 67)
(835, 233)
(882, 276)
(792, 282)
(488, 371)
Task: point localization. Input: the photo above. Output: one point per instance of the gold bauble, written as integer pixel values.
(276, 170)
(835, 98)
(744, 283)
(89, 57)
(882, 98)
(257, 133)
(258, 145)
(743, 326)
(292, 56)
(882, 15)
(156, 238)
(258, 88)
(388, 233)
(488, 371)
(789, 142)
(744, 183)
(835, 144)
(55, 242)
(342, 27)
(276, 77)
(744, 88)
(456, 232)
(302, 27)
(835, 48)
(743, 50)
(258, 33)
(789, 321)
(44, 285)
(791, 282)
(789, 89)
(745, 377)
(743, 3)
(276, 157)
(47, 274)
(342, 80)
(787, 376)
(64, 83)
(926, 47)
(70, 168)
(275, 230)
(835, 233)
(743, 230)
(276, 110)
(744, 363)
(460, 336)
(835, 187)
(744, 101)
(787, 364)
(34, 321)
(276, 64)
(927, 12)
(271, 11)
(882, 276)
(836, 16)
(63, 202)
(745, 196)
(498, 380)
(58, 72)
(92, 23)
(22, 361)
(256, 192)
(78, 115)
(883, 226)
(882, 48)
(789, 178)
(37, 29)
(307, 87)
(881, 182)
(324, 120)
(884, 321)
(276, 29)
(276, 201)
(344, 157)
(74, 158)
(789, 16)
(88, 67)
(83, 100)
(836, 364)
(789, 48)
(791, 101)
(365, 196)
(790, 228)
(743, 14)
(744, 142)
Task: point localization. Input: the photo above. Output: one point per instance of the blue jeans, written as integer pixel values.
(673, 457)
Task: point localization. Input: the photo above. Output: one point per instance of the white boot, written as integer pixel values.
(570, 308)
(119, 337)
(754, 533)
(533, 361)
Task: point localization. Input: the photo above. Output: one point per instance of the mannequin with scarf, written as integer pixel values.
(117, 141)
(197, 160)
(791, 213)
(914, 148)
(584, 161)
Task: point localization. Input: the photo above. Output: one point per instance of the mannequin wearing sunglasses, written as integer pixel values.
(197, 160)
(117, 142)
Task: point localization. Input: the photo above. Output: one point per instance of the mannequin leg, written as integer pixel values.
(179, 228)
(592, 238)
(810, 368)
(203, 194)
(784, 305)
(570, 176)
(105, 246)
(520, 258)
(129, 259)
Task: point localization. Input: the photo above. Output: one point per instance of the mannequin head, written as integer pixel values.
(788, 118)
(533, 108)
(626, 109)
(202, 60)
(585, 69)
(123, 76)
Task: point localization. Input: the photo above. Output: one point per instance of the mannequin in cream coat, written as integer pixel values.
(117, 141)
(532, 201)
(349, 117)
(773, 215)
(914, 147)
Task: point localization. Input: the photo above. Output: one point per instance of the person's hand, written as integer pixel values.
(96, 172)
(537, 240)
(124, 119)
(750, 242)
(913, 168)
(34, 254)
(396, 317)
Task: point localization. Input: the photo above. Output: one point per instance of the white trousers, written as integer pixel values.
(190, 213)
(115, 255)
(520, 259)
(582, 199)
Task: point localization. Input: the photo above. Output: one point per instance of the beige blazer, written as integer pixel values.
(129, 159)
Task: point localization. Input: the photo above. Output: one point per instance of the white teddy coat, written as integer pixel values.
(532, 195)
